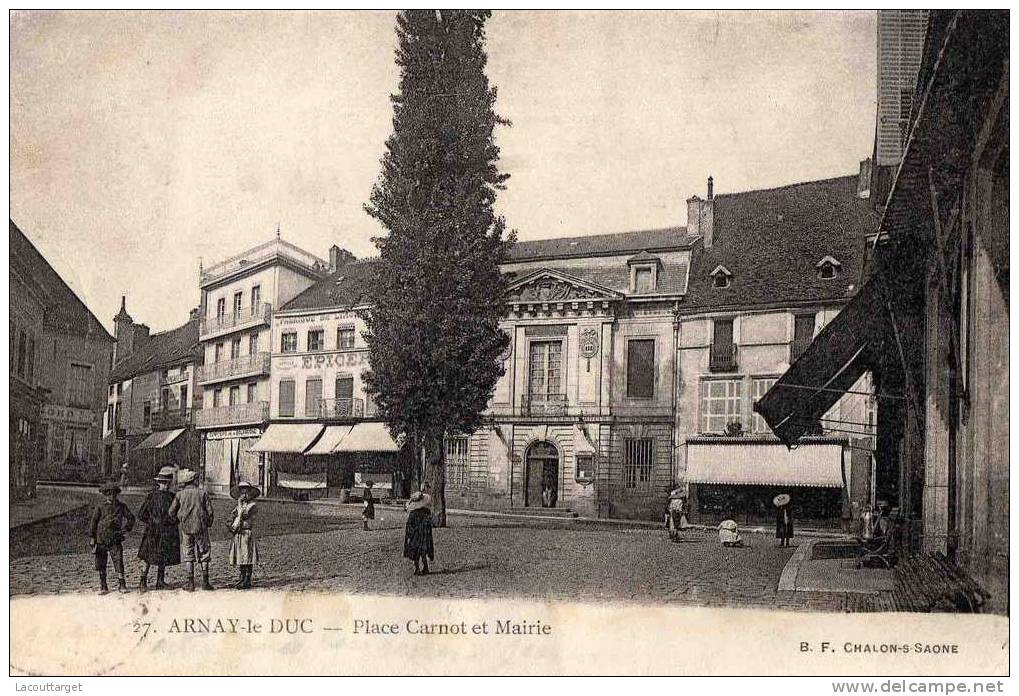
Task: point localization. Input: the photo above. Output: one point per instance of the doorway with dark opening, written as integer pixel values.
(542, 476)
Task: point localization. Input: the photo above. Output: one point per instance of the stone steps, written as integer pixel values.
(564, 513)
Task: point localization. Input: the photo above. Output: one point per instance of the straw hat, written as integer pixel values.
(236, 491)
(165, 474)
(419, 500)
(677, 493)
(109, 487)
(781, 499)
(186, 476)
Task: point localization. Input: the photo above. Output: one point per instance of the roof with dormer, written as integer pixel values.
(770, 241)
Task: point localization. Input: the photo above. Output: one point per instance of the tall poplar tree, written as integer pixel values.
(433, 332)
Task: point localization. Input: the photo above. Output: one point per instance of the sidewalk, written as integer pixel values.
(49, 502)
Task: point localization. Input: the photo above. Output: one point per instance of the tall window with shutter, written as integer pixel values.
(286, 398)
(640, 368)
(344, 404)
(312, 398)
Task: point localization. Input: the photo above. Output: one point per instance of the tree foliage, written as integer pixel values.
(433, 333)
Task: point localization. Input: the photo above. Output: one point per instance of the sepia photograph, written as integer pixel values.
(469, 342)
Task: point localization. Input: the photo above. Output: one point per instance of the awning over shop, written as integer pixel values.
(846, 348)
(287, 437)
(581, 444)
(368, 437)
(302, 481)
(159, 439)
(330, 439)
(756, 463)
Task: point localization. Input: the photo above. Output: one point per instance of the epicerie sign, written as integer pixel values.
(324, 360)
(315, 318)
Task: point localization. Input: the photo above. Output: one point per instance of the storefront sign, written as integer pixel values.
(314, 318)
(68, 415)
(321, 360)
(232, 434)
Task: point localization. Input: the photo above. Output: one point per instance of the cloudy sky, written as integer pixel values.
(142, 143)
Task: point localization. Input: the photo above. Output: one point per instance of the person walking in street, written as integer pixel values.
(243, 549)
(783, 519)
(368, 513)
(417, 542)
(110, 520)
(192, 508)
(675, 516)
(161, 541)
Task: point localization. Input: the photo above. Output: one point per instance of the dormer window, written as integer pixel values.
(721, 277)
(828, 268)
(643, 273)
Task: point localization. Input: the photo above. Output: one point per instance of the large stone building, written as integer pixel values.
(238, 297)
(151, 399)
(60, 359)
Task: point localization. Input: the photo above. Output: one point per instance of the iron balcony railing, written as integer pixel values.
(259, 313)
(237, 414)
(244, 366)
(339, 408)
(544, 404)
(797, 347)
(172, 418)
(274, 249)
(723, 357)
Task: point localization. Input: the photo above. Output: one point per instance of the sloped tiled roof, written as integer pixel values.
(64, 309)
(601, 244)
(771, 241)
(161, 350)
(345, 287)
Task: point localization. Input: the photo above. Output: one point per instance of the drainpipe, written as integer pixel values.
(675, 389)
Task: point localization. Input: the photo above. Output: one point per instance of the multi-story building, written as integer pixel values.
(238, 297)
(324, 432)
(60, 359)
(151, 399)
(931, 322)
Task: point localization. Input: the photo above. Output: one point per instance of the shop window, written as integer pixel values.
(721, 404)
(457, 460)
(287, 398)
(640, 368)
(316, 339)
(345, 337)
(638, 462)
(288, 342)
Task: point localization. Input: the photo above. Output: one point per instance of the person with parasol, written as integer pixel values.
(783, 519)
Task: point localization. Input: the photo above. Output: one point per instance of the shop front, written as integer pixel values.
(229, 458)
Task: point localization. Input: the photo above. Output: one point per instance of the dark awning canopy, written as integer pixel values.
(839, 355)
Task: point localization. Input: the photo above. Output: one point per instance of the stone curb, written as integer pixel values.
(52, 516)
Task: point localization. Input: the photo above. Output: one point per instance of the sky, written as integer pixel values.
(143, 144)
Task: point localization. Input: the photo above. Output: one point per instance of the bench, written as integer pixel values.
(929, 582)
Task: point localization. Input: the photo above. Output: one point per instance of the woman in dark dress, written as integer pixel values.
(417, 542)
(783, 519)
(160, 544)
(369, 505)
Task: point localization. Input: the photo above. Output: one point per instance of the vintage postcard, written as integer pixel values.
(449, 342)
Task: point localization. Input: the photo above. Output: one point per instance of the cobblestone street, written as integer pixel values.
(312, 548)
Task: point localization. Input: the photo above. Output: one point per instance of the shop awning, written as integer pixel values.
(287, 437)
(581, 444)
(846, 348)
(160, 438)
(330, 439)
(769, 463)
(368, 437)
(302, 481)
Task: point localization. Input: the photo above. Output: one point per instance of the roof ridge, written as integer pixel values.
(785, 186)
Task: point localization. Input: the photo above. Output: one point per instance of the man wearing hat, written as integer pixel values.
(107, 526)
(783, 519)
(161, 541)
(192, 508)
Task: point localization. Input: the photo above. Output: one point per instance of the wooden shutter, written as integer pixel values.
(723, 332)
(640, 368)
(287, 397)
(312, 397)
(804, 328)
(344, 387)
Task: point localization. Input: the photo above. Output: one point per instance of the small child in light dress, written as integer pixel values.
(243, 549)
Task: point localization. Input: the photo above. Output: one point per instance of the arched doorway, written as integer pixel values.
(542, 475)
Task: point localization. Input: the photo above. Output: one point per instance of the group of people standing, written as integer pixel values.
(177, 527)
(728, 531)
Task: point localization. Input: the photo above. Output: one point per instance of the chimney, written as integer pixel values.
(700, 215)
(194, 313)
(124, 332)
(338, 257)
(141, 335)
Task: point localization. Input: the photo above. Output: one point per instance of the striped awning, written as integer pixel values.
(368, 437)
(330, 439)
(160, 438)
(765, 463)
(293, 438)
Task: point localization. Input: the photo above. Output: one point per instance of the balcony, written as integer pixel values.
(797, 347)
(237, 414)
(245, 366)
(339, 408)
(244, 318)
(544, 404)
(722, 357)
(172, 418)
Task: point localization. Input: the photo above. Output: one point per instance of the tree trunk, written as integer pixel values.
(435, 478)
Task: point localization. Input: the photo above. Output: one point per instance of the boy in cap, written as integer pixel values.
(110, 520)
(192, 507)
